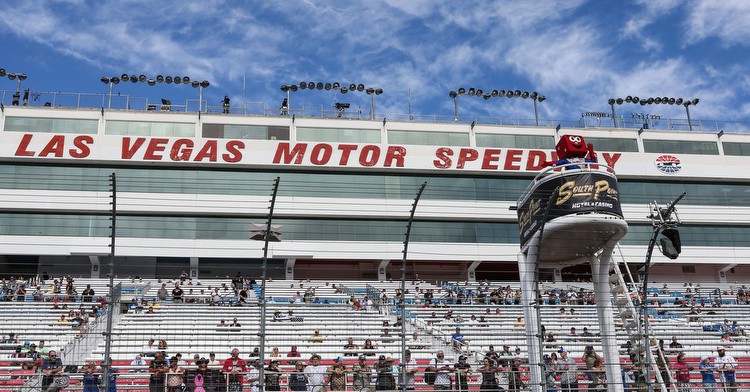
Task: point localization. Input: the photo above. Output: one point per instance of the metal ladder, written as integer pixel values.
(631, 324)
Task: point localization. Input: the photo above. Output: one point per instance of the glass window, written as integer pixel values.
(145, 128)
(51, 125)
(423, 138)
(337, 135)
(338, 185)
(680, 147)
(515, 141)
(613, 144)
(738, 149)
(257, 132)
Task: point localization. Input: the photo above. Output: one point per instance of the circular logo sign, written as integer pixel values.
(668, 164)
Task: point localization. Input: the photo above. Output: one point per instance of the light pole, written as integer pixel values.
(372, 92)
(19, 77)
(536, 97)
(654, 100)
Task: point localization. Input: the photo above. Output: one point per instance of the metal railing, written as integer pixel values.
(123, 102)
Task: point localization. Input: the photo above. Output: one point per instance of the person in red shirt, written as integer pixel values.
(682, 373)
(234, 367)
(293, 353)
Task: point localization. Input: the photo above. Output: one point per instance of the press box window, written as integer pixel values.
(254, 132)
(338, 135)
(425, 138)
(737, 149)
(680, 147)
(515, 141)
(51, 125)
(144, 128)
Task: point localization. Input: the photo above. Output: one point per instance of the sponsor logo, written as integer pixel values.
(668, 164)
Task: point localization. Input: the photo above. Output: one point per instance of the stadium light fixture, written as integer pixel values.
(487, 95)
(654, 101)
(200, 85)
(328, 86)
(18, 77)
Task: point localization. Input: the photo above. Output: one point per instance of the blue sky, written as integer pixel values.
(577, 53)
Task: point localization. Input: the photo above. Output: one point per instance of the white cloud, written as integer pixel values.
(728, 20)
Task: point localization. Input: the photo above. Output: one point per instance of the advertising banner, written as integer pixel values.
(578, 192)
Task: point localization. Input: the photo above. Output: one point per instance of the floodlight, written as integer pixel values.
(678, 101)
(143, 78)
(177, 80)
(195, 84)
(671, 101)
(336, 85)
(636, 99)
(479, 92)
(509, 94)
(452, 94)
(168, 80)
(370, 90)
(344, 90)
(293, 87)
(541, 98)
(501, 93)
(487, 96)
(185, 80)
(611, 101)
(205, 84)
(303, 85)
(494, 93)
(360, 87)
(2, 72)
(629, 99)
(115, 80)
(124, 77)
(12, 76)
(352, 87)
(327, 86)
(104, 79)
(619, 101)
(695, 101)
(151, 82)
(319, 86)
(650, 101)
(378, 91)
(461, 91)
(657, 100)
(517, 93)
(133, 78)
(159, 78)
(284, 87)
(525, 94)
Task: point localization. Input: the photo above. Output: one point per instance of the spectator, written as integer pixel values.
(489, 380)
(137, 361)
(149, 349)
(297, 379)
(443, 370)
(203, 377)
(682, 373)
(707, 374)
(350, 349)
(235, 323)
(463, 370)
(88, 293)
(162, 345)
(415, 342)
(158, 369)
(726, 340)
(316, 337)
(43, 350)
(589, 358)
(275, 353)
(51, 367)
(18, 354)
(316, 374)
(368, 348)
(255, 353)
(386, 336)
(293, 353)
(674, 345)
(568, 372)
(162, 293)
(407, 371)
(212, 359)
(337, 375)
(384, 369)
(177, 293)
(725, 364)
(175, 375)
(457, 340)
(272, 375)
(599, 382)
(362, 375)
(548, 369)
(233, 367)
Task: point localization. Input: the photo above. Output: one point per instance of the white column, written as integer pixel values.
(95, 266)
(194, 261)
(600, 274)
(381, 269)
(289, 268)
(526, 270)
(471, 274)
(723, 273)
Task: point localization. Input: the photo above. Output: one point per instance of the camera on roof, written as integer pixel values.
(340, 105)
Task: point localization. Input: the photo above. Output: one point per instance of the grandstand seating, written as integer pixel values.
(192, 328)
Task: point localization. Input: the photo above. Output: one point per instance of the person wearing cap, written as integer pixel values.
(158, 369)
(51, 367)
(272, 374)
(463, 370)
(362, 375)
(210, 380)
(234, 367)
(293, 353)
(725, 364)
(443, 371)
(407, 370)
(316, 375)
(350, 349)
(297, 380)
(384, 369)
(589, 357)
(337, 373)
(568, 372)
(137, 361)
(708, 376)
